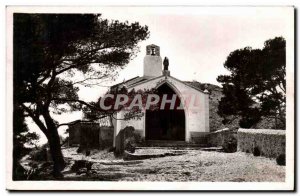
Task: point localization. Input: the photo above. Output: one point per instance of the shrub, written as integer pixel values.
(111, 149)
(129, 145)
(81, 166)
(280, 159)
(87, 152)
(39, 154)
(89, 165)
(78, 165)
(19, 172)
(230, 145)
(256, 151)
(79, 150)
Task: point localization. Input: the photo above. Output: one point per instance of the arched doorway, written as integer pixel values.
(168, 123)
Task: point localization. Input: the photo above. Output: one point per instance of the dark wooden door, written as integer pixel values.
(165, 125)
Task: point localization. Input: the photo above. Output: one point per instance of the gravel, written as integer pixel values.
(194, 165)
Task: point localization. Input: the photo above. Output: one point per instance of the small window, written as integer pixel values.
(153, 52)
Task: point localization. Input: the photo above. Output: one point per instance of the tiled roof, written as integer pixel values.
(134, 81)
(130, 82)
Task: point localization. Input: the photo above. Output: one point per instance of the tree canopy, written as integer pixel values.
(256, 86)
(50, 50)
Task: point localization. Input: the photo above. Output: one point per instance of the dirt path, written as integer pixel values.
(195, 165)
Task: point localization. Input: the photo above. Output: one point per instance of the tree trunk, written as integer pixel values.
(51, 132)
(275, 121)
(56, 153)
(55, 147)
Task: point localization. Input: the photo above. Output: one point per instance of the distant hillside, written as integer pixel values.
(215, 121)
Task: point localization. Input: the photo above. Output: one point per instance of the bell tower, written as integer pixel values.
(152, 61)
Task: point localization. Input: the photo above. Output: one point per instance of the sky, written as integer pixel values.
(196, 40)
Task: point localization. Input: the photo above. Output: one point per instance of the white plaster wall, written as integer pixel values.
(138, 124)
(152, 66)
(196, 113)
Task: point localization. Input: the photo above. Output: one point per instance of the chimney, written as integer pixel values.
(152, 61)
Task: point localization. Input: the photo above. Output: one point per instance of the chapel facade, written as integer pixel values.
(188, 123)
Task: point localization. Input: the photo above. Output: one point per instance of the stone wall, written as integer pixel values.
(270, 142)
(106, 137)
(90, 135)
(74, 135)
(218, 138)
(200, 138)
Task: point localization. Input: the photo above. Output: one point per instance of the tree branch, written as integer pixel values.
(66, 124)
(74, 100)
(44, 78)
(90, 78)
(86, 55)
(39, 123)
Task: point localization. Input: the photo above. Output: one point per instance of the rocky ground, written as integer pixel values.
(176, 165)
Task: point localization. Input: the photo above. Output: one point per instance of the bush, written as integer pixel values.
(127, 140)
(79, 150)
(79, 164)
(39, 154)
(256, 151)
(87, 153)
(89, 165)
(111, 149)
(129, 146)
(280, 160)
(230, 145)
(19, 172)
